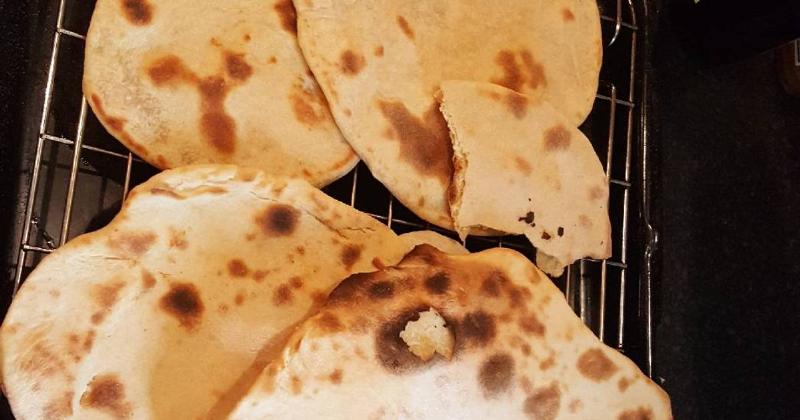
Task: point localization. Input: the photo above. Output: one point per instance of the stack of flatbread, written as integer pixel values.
(501, 155)
(218, 292)
(221, 291)
(186, 82)
(381, 64)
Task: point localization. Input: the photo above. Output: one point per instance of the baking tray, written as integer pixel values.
(75, 175)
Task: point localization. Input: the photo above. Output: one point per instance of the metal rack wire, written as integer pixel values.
(588, 285)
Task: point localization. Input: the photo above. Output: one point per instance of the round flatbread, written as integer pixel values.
(380, 64)
(173, 309)
(555, 189)
(479, 336)
(186, 82)
(437, 240)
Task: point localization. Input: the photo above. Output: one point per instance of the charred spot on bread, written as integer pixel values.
(492, 284)
(328, 322)
(477, 328)
(424, 141)
(544, 403)
(133, 243)
(405, 27)
(519, 73)
(183, 302)
(278, 220)
(350, 255)
(556, 138)
(381, 290)
(438, 283)
(496, 374)
(593, 364)
(138, 12)
(237, 268)
(349, 288)
(641, 413)
(237, 67)
(282, 295)
(287, 15)
(351, 63)
(106, 393)
(528, 218)
(530, 323)
(336, 376)
(518, 105)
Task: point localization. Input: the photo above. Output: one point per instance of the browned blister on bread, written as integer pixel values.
(512, 349)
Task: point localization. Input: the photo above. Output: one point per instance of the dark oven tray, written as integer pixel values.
(68, 176)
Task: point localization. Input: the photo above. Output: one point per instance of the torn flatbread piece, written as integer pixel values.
(380, 63)
(184, 82)
(522, 168)
(479, 336)
(173, 309)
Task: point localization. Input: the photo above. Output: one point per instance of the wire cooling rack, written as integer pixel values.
(80, 175)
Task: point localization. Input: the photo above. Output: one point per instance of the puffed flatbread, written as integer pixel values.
(200, 81)
(171, 311)
(516, 350)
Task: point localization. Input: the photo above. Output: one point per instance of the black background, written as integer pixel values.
(25, 39)
(728, 336)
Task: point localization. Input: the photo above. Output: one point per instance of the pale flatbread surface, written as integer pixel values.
(520, 352)
(437, 240)
(184, 82)
(380, 64)
(554, 188)
(171, 310)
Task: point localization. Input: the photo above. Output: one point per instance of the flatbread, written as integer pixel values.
(519, 352)
(438, 241)
(184, 82)
(554, 188)
(174, 308)
(380, 64)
